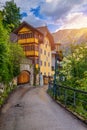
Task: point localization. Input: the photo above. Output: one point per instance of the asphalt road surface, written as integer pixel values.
(35, 110)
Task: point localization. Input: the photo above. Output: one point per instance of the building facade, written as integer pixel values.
(30, 39)
(45, 52)
(37, 44)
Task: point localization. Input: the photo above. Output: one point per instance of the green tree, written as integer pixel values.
(10, 56)
(75, 66)
(16, 55)
(4, 50)
(11, 15)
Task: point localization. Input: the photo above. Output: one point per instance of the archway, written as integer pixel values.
(24, 77)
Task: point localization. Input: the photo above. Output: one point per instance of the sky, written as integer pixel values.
(55, 14)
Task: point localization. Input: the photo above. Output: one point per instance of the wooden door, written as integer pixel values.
(45, 80)
(24, 77)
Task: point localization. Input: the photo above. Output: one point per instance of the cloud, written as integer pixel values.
(30, 11)
(54, 13)
(24, 5)
(75, 20)
(55, 9)
(34, 21)
(83, 8)
(49, 1)
(59, 8)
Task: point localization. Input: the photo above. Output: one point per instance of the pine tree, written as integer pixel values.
(12, 15)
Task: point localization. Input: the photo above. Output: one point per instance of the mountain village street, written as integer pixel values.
(33, 109)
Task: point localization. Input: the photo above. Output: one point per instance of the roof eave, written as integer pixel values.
(28, 25)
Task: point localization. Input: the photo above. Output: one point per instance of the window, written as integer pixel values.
(41, 51)
(52, 68)
(48, 42)
(36, 61)
(36, 48)
(44, 52)
(46, 45)
(30, 35)
(48, 64)
(26, 48)
(44, 73)
(48, 53)
(40, 62)
(48, 73)
(30, 48)
(25, 35)
(45, 63)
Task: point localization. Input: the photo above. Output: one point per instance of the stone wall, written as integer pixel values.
(27, 65)
(37, 80)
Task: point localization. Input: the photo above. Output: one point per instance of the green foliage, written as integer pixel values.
(75, 66)
(60, 55)
(10, 56)
(4, 50)
(4, 95)
(11, 15)
(1, 15)
(16, 55)
(74, 71)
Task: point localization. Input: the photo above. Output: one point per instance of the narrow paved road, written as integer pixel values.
(35, 110)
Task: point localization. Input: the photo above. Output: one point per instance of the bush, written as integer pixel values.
(5, 94)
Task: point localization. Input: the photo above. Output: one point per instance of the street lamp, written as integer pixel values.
(58, 58)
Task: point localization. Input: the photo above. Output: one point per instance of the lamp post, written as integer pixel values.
(55, 75)
(57, 59)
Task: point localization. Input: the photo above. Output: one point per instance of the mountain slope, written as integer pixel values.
(68, 36)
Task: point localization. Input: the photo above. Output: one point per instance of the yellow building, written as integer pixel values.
(37, 44)
(29, 38)
(45, 49)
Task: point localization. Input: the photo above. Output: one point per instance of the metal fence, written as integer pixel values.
(70, 97)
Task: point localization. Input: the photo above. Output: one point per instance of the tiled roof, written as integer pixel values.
(46, 32)
(28, 25)
(42, 30)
